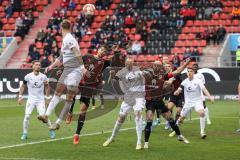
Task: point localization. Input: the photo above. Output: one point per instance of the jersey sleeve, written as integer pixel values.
(201, 85)
(120, 74)
(203, 79)
(26, 78)
(183, 84)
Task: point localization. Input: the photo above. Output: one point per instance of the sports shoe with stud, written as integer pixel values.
(203, 135)
(24, 136)
(138, 146)
(75, 139)
(54, 126)
(172, 134)
(44, 119)
(182, 138)
(146, 145)
(107, 142)
(52, 134)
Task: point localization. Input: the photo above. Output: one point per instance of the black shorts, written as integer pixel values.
(154, 105)
(87, 92)
(177, 100)
(166, 97)
(85, 100)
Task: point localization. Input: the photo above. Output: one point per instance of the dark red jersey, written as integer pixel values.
(95, 67)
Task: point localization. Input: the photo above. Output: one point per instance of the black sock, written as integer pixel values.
(101, 99)
(93, 101)
(81, 120)
(148, 131)
(177, 116)
(72, 106)
(174, 126)
(158, 111)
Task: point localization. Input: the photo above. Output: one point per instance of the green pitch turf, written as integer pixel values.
(222, 141)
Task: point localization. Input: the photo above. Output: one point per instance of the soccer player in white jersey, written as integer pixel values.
(71, 76)
(36, 82)
(201, 77)
(133, 88)
(193, 89)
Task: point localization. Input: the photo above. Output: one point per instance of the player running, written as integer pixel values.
(36, 82)
(70, 77)
(193, 89)
(201, 77)
(155, 82)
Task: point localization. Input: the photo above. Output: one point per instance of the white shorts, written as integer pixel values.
(30, 105)
(72, 77)
(138, 106)
(198, 105)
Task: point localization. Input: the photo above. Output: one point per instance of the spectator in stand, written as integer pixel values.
(40, 36)
(144, 33)
(195, 55)
(102, 4)
(217, 6)
(34, 55)
(71, 5)
(64, 3)
(155, 26)
(9, 10)
(221, 32)
(157, 9)
(187, 53)
(208, 12)
(166, 7)
(184, 2)
(236, 13)
(136, 47)
(17, 6)
(176, 60)
(129, 22)
(19, 32)
(19, 22)
(45, 62)
(55, 52)
(180, 22)
(192, 13)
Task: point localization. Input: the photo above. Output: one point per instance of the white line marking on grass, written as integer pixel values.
(84, 135)
(58, 139)
(6, 158)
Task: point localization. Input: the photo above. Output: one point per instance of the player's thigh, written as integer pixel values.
(60, 89)
(125, 109)
(149, 110)
(29, 107)
(199, 107)
(186, 109)
(41, 109)
(139, 104)
(74, 77)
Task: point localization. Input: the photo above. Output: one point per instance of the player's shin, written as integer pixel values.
(138, 121)
(117, 126)
(81, 121)
(147, 131)
(26, 123)
(174, 126)
(52, 105)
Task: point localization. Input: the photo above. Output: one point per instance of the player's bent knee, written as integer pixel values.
(72, 88)
(27, 117)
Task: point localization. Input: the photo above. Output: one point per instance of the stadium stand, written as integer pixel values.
(144, 29)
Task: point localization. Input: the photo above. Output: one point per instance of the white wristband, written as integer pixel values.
(48, 97)
(20, 96)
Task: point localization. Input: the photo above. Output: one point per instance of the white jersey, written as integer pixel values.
(202, 79)
(35, 84)
(68, 57)
(192, 90)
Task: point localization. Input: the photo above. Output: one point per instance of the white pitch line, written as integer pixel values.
(7, 158)
(58, 139)
(89, 134)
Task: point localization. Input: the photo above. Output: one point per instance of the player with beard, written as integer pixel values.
(155, 82)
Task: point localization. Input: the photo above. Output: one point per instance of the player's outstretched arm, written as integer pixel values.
(20, 96)
(182, 67)
(77, 54)
(57, 62)
(206, 92)
(178, 91)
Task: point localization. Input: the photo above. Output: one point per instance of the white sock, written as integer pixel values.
(116, 129)
(58, 121)
(206, 113)
(49, 122)
(138, 122)
(202, 124)
(52, 105)
(26, 124)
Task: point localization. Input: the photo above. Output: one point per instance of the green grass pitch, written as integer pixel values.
(222, 143)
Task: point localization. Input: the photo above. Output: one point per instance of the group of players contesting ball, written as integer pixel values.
(141, 87)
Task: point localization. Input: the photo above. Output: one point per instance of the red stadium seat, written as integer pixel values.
(6, 27)
(8, 33)
(11, 20)
(110, 12)
(1, 9)
(39, 45)
(35, 14)
(102, 13)
(74, 13)
(228, 22)
(58, 38)
(40, 8)
(2, 14)
(86, 38)
(197, 23)
(79, 7)
(137, 37)
(203, 43)
(82, 1)
(113, 6)
(189, 23)
(133, 30)
(235, 22)
(4, 20)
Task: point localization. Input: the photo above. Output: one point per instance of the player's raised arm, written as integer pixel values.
(206, 92)
(57, 62)
(182, 67)
(78, 54)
